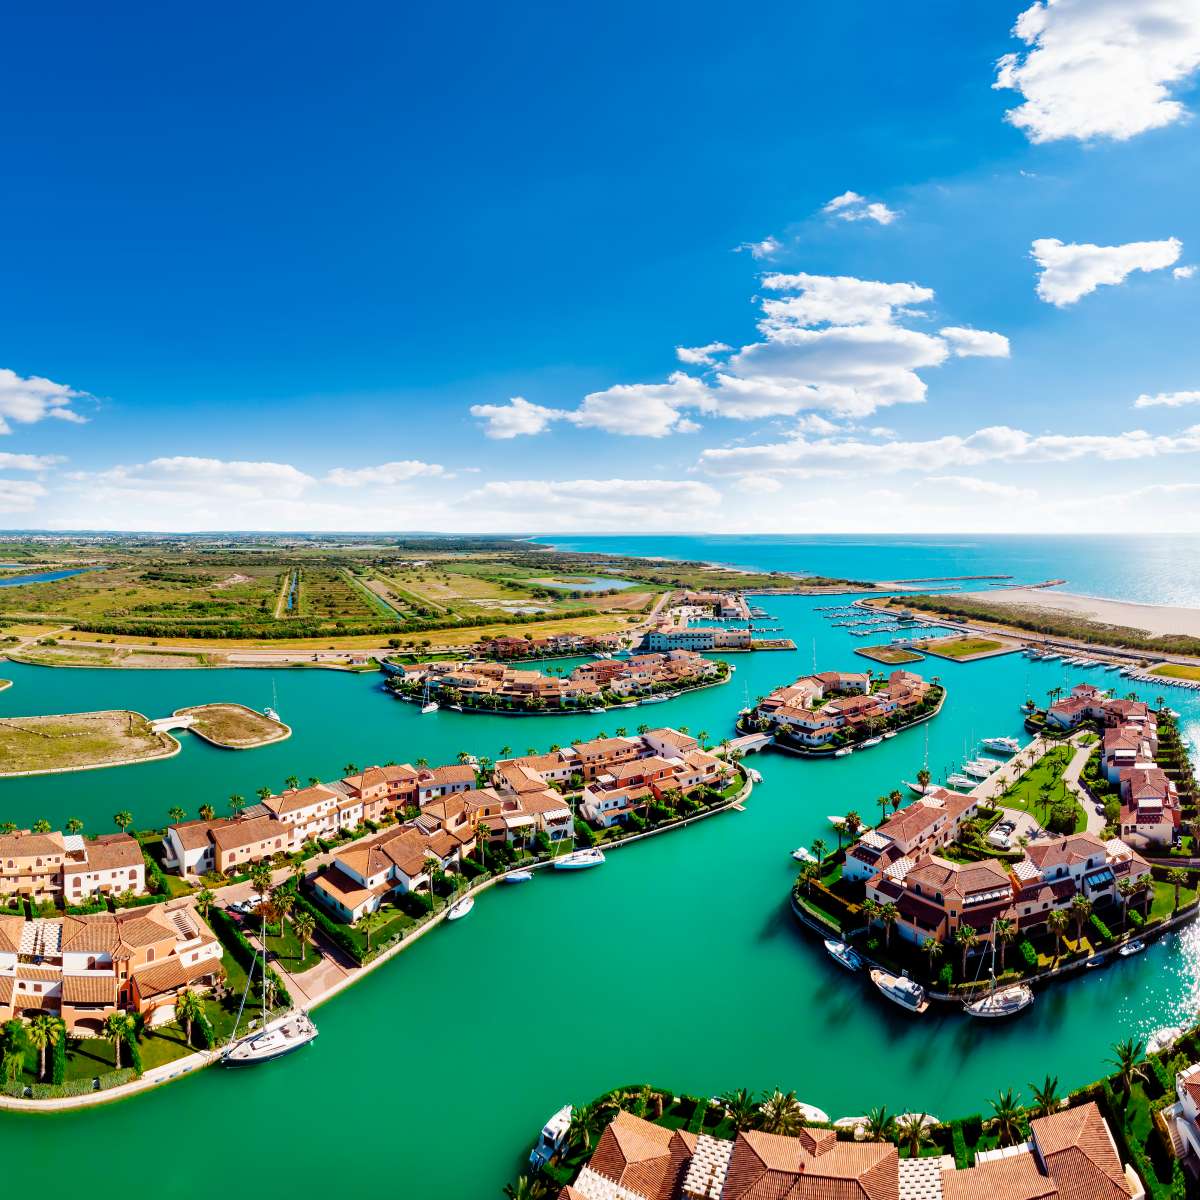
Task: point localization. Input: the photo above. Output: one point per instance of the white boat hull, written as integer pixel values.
(1004, 1002)
(270, 1044)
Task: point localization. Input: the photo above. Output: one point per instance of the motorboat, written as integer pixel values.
(875, 741)
(846, 955)
(845, 750)
(270, 714)
(804, 854)
(293, 1032)
(1131, 948)
(958, 780)
(977, 768)
(518, 876)
(1002, 745)
(655, 699)
(460, 908)
(1163, 1039)
(579, 860)
(597, 711)
(891, 733)
(901, 990)
(1002, 1002)
(551, 1139)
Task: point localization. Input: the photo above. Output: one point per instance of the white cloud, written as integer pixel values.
(26, 401)
(975, 343)
(517, 418)
(983, 487)
(1100, 68)
(813, 458)
(850, 206)
(384, 475)
(697, 356)
(1184, 272)
(19, 495)
(767, 248)
(27, 462)
(596, 503)
(830, 344)
(1167, 400)
(1072, 270)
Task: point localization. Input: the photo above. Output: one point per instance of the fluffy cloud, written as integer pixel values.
(1167, 400)
(697, 356)
(27, 462)
(1100, 68)
(25, 401)
(19, 495)
(810, 458)
(850, 206)
(1072, 270)
(829, 344)
(1184, 272)
(384, 475)
(517, 418)
(595, 503)
(767, 248)
(975, 343)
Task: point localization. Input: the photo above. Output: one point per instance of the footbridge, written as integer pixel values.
(163, 724)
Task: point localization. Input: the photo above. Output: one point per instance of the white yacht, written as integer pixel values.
(552, 1138)
(917, 789)
(874, 741)
(844, 954)
(901, 990)
(804, 854)
(977, 768)
(1132, 948)
(579, 860)
(296, 1031)
(430, 707)
(1002, 745)
(845, 750)
(518, 876)
(958, 780)
(1163, 1039)
(460, 909)
(1002, 1002)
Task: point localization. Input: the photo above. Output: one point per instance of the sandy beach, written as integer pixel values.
(1153, 619)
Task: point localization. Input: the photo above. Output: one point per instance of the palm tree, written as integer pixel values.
(702, 738)
(352, 768)
(882, 801)
(584, 1126)
(912, 1132)
(176, 814)
(264, 793)
(123, 819)
(740, 1109)
(527, 1187)
(1046, 1096)
(283, 900)
(870, 911)
(896, 798)
(1057, 923)
(809, 874)
(260, 877)
(879, 1126)
(780, 1112)
(8, 827)
(42, 826)
(118, 1028)
(189, 1008)
(923, 777)
(1126, 889)
(1081, 909)
(967, 939)
(236, 803)
(1177, 877)
(1146, 884)
(1126, 1056)
(1003, 930)
(1006, 1120)
(292, 782)
(44, 1032)
(207, 812)
(304, 924)
(819, 848)
(74, 825)
(889, 914)
(933, 951)
(482, 830)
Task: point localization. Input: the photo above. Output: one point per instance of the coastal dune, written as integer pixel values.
(1153, 619)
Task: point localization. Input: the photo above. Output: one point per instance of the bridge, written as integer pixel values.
(163, 724)
(751, 742)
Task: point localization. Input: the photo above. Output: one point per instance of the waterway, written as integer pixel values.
(42, 577)
(676, 962)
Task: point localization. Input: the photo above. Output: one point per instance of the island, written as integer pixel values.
(234, 726)
(79, 741)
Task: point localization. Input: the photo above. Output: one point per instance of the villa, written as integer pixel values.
(69, 868)
(631, 787)
(1070, 1155)
(84, 968)
(818, 708)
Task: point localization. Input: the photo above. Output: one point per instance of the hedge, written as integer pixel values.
(1100, 927)
(336, 932)
(58, 1056)
(962, 1158)
(243, 953)
(1028, 953)
(156, 874)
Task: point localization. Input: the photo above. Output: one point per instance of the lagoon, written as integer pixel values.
(676, 962)
(42, 577)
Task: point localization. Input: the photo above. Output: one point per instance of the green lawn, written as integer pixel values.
(286, 948)
(1177, 671)
(965, 647)
(1026, 793)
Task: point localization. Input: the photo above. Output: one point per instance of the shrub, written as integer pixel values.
(155, 874)
(946, 976)
(972, 1129)
(961, 1156)
(1100, 927)
(58, 1060)
(1136, 918)
(1028, 953)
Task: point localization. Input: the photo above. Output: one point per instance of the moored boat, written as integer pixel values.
(295, 1031)
(460, 909)
(518, 876)
(579, 860)
(917, 789)
(552, 1138)
(874, 741)
(1002, 1002)
(846, 955)
(901, 990)
(842, 752)
(804, 854)
(1002, 745)
(1163, 1039)
(1132, 948)
(431, 707)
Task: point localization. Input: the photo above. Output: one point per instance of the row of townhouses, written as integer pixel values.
(84, 968)
(1070, 1155)
(1150, 813)
(70, 869)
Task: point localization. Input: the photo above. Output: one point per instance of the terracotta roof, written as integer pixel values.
(10, 933)
(299, 798)
(89, 989)
(1014, 1177)
(813, 1166)
(644, 1158)
(31, 845)
(1079, 1154)
(1067, 851)
(170, 975)
(109, 852)
(249, 831)
(194, 835)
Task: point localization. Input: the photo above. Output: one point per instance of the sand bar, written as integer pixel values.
(1154, 619)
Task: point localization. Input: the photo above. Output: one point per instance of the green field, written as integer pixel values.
(1176, 671)
(962, 648)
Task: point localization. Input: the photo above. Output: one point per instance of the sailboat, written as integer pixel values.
(293, 1030)
(1003, 1002)
(270, 713)
(428, 703)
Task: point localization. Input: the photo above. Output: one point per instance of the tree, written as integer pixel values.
(304, 924)
(923, 778)
(283, 900)
(260, 878)
(44, 1032)
(118, 1028)
(1146, 885)
(123, 819)
(882, 801)
(933, 951)
(292, 782)
(912, 1132)
(207, 812)
(527, 1187)
(780, 1112)
(889, 914)
(1177, 877)
(204, 900)
(482, 831)
(1046, 1096)
(585, 1125)
(189, 1009)
(809, 874)
(236, 803)
(1126, 889)
(351, 768)
(1006, 1119)
(1125, 1058)
(819, 848)
(740, 1109)
(1004, 930)
(967, 939)
(176, 814)
(1057, 923)
(263, 793)
(879, 1125)
(896, 798)
(41, 825)
(1081, 909)
(870, 911)
(74, 825)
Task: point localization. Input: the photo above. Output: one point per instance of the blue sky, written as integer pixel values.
(288, 268)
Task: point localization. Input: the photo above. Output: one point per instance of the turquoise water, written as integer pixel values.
(677, 961)
(1152, 570)
(595, 584)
